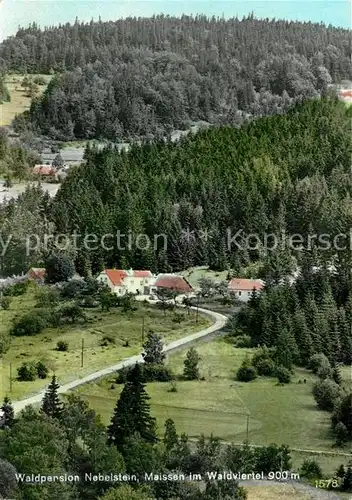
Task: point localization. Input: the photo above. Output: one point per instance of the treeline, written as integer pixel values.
(144, 77)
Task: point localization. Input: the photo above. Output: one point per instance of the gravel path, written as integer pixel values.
(206, 334)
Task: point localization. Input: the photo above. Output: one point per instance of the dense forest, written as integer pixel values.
(145, 77)
(276, 174)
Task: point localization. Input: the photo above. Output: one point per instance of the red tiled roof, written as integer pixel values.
(115, 276)
(43, 170)
(245, 284)
(142, 274)
(346, 93)
(172, 282)
(36, 273)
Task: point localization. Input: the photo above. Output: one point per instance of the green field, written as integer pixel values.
(67, 365)
(219, 405)
(19, 100)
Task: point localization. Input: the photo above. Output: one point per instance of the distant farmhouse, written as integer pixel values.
(142, 282)
(36, 273)
(243, 288)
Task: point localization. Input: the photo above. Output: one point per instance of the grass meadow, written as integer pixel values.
(20, 101)
(121, 327)
(221, 406)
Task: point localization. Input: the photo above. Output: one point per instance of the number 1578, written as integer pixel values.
(327, 483)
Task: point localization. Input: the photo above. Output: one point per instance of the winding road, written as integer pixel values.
(206, 334)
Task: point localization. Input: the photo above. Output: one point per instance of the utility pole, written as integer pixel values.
(82, 352)
(247, 431)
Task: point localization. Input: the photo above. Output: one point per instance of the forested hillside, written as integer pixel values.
(144, 77)
(283, 173)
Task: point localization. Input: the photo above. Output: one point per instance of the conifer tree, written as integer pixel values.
(153, 350)
(170, 435)
(8, 412)
(191, 370)
(51, 405)
(132, 412)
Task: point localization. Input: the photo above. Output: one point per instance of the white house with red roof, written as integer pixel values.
(122, 281)
(243, 288)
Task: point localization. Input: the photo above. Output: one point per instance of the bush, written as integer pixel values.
(5, 303)
(317, 361)
(106, 340)
(266, 367)
(5, 341)
(156, 373)
(283, 375)
(47, 296)
(30, 324)
(39, 80)
(62, 346)
(27, 372)
(341, 434)
(246, 372)
(17, 289)
(42, 370)
(243, 341)
(324, 372)
(326, 394)
(311, 469)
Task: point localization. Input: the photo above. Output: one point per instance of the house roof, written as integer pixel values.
(245, 284)
(142, 274)
(115, 276)
(346, 93)
(37, 272)
(173, 282)
(43, 170)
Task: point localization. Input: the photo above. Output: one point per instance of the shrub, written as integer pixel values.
(47, 296)
(266, 367)
(173, 387)
(30, 324)
(326, 394)
(156, 373)
(317, 361)
(106, 340)
(311, 469)
(17, 289)
(341, 434)
(62, 346)
(27, 372)
(39, 80)
(246, 372)
(324, 372)
(178, 318)
(42, 370)
(5, 303)
(243, 341)
(283, 375)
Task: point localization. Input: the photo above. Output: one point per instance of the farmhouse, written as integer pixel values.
(127, 281)
(36, 273)
(243, 288)
(46, 171)
(172, 282)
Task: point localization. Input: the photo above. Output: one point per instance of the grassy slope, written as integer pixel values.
(67, 366)
(218, 405)
(19, 100)
(194, 274)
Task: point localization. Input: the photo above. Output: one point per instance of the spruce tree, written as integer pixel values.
(170, 435)
(132, 412)
(191, 370)
(51, 405)
(153, 350)
(8, 412)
